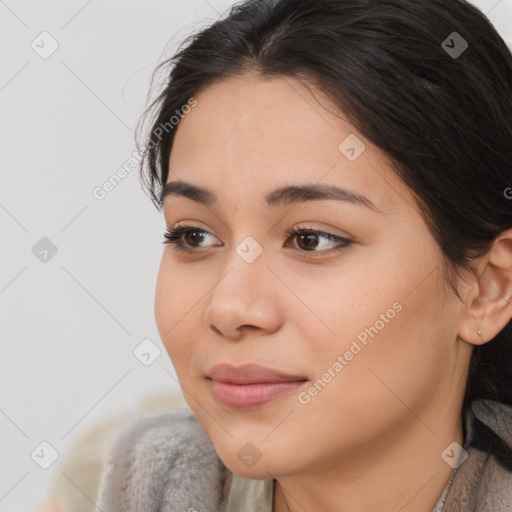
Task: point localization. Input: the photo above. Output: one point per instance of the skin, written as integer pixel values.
(382, 422)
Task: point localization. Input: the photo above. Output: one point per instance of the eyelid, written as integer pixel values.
(300, 226)
(329, 230)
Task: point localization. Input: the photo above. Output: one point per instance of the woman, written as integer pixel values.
(335, 291)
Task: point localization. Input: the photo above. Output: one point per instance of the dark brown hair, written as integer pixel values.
(401, 73)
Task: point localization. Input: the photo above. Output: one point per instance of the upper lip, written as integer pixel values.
(249, 374)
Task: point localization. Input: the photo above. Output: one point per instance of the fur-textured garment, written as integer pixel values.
(165, 462)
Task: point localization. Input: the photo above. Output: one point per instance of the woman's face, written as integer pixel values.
(368, 327)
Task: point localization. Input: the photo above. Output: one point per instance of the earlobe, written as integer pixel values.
(471, 330)
(489, 302)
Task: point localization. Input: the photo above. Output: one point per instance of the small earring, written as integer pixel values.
(479, 332)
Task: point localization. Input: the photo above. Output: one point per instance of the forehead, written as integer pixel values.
(248, 134)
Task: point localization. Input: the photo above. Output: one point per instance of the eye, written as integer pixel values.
(310, 240)
(192, 235)
(188, 238)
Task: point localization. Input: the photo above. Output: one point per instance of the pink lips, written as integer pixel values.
(250, 385)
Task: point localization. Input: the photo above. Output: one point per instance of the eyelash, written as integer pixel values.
(174, 237)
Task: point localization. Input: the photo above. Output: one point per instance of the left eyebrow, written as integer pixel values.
(291, 194)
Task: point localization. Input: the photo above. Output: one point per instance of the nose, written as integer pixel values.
(245, 299)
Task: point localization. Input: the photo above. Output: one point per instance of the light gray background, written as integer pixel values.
(69, 326)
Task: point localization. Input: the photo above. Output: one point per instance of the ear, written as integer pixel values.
(489, 298)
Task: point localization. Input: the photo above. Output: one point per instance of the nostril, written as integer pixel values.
(217, 331)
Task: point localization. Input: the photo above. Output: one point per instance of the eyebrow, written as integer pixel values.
(287, 195)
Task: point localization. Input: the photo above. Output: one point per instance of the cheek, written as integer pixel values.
(175, 298)
(382, 310)
(388, 347)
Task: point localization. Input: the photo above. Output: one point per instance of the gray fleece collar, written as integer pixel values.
(165, 462)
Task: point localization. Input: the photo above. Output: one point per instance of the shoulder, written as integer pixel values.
(483, 480)
(164, 462)
(492, 433)
(497, 417)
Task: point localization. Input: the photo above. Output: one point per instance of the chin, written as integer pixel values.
(258, 459)
(257, 469)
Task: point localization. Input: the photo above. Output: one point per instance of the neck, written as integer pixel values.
(404, 471)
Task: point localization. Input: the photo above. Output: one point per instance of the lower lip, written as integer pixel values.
(249, 396)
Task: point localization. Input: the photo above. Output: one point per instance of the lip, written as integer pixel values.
(250, 385)
(250, 374)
